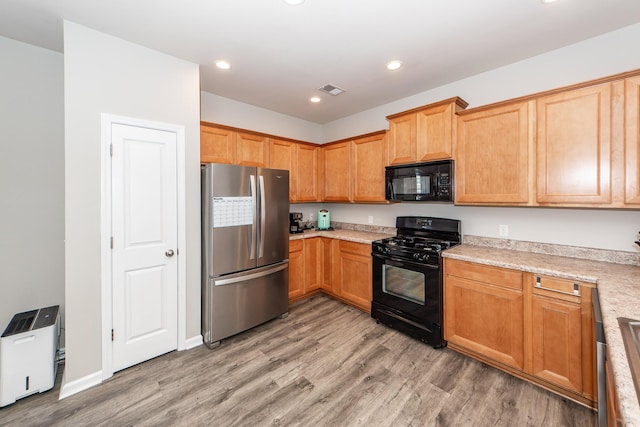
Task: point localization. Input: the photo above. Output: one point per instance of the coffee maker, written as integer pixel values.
(295, 223)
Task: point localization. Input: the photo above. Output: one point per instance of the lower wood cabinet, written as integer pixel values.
(296, 270)
(484, 311)
(313, 264)
(536, 327)
(562, 334)
(339, 268)
(351, 273)
(305, 267)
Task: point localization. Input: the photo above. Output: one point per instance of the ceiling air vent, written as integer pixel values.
(331, 89)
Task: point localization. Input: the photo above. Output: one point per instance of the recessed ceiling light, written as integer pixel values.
(315, 99)
(293, 2)
(548, 1)
(394, 65)
(223, 65)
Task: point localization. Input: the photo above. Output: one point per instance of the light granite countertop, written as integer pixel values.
(357, 236)
(618, 288)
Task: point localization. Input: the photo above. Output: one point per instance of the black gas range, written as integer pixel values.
(407, 276)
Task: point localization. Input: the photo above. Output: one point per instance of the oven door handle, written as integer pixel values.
(399, 262)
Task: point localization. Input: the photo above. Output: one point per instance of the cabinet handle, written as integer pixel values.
(576, 288)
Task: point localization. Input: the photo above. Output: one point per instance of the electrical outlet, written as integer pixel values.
(370, 219)
(503, 230)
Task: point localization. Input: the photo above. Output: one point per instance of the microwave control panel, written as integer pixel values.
(444, 185)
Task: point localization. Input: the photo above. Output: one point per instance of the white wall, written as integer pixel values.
(609, 54)
(217, 109)
(103, 74)
(31, 179)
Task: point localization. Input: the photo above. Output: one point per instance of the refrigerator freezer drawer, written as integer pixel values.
(237, 302)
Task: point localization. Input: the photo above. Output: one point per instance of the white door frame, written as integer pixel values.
(107, 304)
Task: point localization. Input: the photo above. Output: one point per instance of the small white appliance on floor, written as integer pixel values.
(28, 348)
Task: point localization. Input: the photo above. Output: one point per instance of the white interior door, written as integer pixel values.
(145, 237)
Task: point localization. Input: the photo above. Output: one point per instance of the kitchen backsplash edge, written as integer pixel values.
(617, 257)
(363, 227)
(593, 254)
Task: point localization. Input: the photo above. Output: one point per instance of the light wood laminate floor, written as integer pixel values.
(327, 364)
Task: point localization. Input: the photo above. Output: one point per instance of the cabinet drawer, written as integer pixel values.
(558, 288)
(355, 248)
(483, 273)
(295, 245)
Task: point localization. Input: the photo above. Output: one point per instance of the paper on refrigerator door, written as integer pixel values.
(232, 211)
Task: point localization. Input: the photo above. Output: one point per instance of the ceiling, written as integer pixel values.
(282, 54)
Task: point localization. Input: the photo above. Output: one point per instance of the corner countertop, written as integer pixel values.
(618, 288)
(357, 236)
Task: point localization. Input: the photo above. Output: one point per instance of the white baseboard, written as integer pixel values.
(81, 384)
(194, 342)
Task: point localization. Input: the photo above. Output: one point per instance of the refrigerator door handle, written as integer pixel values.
(252, 236)
(244, 278)
(263, 216)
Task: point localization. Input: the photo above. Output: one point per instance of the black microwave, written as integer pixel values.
(420, 182)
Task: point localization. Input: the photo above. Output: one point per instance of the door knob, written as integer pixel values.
(169, 253)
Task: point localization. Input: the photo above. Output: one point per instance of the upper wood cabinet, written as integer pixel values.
(402, 139)
(573, 146)
(368, 159)
(337, 172)
(284, 155)
(632, 141)
(354, 169)
(425, 133)
(309, 171)
(252, 150)
(493, 155)
(217, 145)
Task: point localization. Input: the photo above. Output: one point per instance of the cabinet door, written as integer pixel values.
(327, 263)
(352, 269)
(435, 133)
(217, 145)
(573, 146)
(252, 150)
(284, 155)
(632, 141)
(492, 156)
(337, 172)
(307, 175)
(402, 139)
(557, 342)
(485, 319)
(313, 263)
(368, 161)
(296, 269)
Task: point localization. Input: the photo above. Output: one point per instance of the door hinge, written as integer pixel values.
(112, 336)
(111, 150)
(111, 243)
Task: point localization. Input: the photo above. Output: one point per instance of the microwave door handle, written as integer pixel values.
(392, 194)
(253, 231)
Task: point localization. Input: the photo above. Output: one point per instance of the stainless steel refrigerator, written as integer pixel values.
(245, 248)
